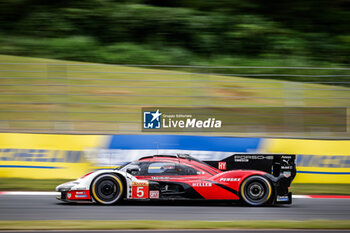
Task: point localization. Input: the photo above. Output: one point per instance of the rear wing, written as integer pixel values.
(275, 164)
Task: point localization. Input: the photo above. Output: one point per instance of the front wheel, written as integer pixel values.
(107, 189)
(255, 190)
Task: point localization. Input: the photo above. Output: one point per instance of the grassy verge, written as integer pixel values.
(146, 224)
(87, 96)
(8, 184)
(14, 184)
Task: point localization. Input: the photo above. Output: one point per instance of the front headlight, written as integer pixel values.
(66, 186)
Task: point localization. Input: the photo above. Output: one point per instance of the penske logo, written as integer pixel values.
(230, 179)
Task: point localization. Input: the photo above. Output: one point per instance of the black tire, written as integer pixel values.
(256, 190)
(107, 189)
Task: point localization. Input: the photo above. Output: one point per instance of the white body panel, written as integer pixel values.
(85, 182)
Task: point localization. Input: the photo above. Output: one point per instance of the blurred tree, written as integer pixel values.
(158, 31)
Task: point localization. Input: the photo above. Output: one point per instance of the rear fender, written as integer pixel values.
(234, 179)
(280, 187)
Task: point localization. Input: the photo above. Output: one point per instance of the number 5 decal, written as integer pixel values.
(140, 193)
(140, 189)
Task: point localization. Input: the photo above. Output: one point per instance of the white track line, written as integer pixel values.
(29, 193)
(301, 196)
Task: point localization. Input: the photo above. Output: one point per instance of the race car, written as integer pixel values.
(255, 179)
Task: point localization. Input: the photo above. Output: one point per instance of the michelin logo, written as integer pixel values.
(151, 120)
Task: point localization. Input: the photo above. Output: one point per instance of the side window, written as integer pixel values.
(187, 171)
(162, 168)
(143, 167)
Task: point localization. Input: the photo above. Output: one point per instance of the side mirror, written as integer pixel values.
(133, 169)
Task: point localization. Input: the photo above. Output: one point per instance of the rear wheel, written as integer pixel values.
(256, 190)
(107, 189)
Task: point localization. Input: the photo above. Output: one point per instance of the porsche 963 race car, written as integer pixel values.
(255, 179)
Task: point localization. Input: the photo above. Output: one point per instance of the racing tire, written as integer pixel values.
(107, 189)
(256, 190)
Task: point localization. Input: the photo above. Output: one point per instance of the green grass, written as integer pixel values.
(19, 184)
(139, 224)
(131, 89)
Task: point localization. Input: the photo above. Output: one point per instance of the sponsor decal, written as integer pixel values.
(154, 194)
(80, 196)
(201, 184)
(222, 165)
(160, 178)
(246, 158)
(287, 174)
(282, 198)
(230, 179)
(79, 193)
(139, 183)
(140, 190)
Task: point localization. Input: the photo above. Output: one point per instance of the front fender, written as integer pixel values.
(84, 182)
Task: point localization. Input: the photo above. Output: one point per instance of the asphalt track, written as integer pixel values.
(22, 207)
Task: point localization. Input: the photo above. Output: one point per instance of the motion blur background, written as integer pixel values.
(88, 67)
(226, 32)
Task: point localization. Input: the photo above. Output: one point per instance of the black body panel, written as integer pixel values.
(275, 164)
(174, 190)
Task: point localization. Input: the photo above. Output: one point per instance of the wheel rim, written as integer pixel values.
(107, 189)
(256, 190)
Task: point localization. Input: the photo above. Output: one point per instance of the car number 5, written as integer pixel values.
(140, 192)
